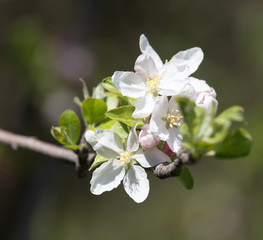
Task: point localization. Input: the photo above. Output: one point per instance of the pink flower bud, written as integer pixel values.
(206, 99)
(168, 151)
(146, 139)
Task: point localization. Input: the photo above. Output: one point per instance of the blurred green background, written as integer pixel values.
(46, 46)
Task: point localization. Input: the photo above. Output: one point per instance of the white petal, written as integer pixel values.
(145, 66)
(199, 85)
(173, 104)
(133, 141)
(90, 137)
(205, 100)
(188, 91)
(129, 84)
(190, 58)
(147, 49)
(157, 125)
(151, 157)
(171, 71)
(144, 106)
(108, 144)
(175, 140)
(172, 87)
(107, 177)
(136, 183)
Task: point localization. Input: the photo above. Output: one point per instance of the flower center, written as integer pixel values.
(153, 83)
(125, 158)
(174, 118)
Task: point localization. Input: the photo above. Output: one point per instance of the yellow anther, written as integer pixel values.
(153, 83)
(126, 158)
(174, 118)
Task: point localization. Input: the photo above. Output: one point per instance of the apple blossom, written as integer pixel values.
(153, 78)
(165, 121)
(122, 163)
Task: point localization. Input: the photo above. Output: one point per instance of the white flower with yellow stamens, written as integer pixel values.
(165, 122)
(152, 78)
(123, 163)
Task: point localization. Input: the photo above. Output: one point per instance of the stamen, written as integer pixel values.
(125, 158)
(153, 83)
(174, 118)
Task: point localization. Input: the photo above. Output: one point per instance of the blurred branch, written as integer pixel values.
(33, 144)
(174, 168)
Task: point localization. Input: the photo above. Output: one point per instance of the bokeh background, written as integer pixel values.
(46, 46)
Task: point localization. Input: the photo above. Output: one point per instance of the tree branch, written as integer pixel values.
(33, 144)
(174, 168)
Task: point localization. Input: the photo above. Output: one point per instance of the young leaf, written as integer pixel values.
(93, 110)
(97, 161)
(115, 126)
(232, 114)
(112, 100)
(187, 107)
(60, 135)
(84, 88)
(236, 144)
(186, 178)
(108, 85)
(98, 92)
(69, 121)
(123, 114)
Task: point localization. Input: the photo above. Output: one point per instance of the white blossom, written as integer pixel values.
(165, 122)
(122, 164)
(153, 78)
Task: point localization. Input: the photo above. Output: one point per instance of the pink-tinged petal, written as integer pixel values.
(172, 87)
(144, 106)
(136, 183)
(212, 92)
(145, 66)
(147, 49)
(167, 150)
(157, 124)
(205, 101)
(107, 177)
(133, 141)
(190, 58)
(129, 84)
(199, 85)
(151, 157)
(175, 140)
(146, 139)
(108, 144)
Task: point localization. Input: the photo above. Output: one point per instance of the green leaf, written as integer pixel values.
(69, 121)
(112, 100)
(124, 114)
(107, 84)
(97, 161)
(187, 107)
(73, 147)
(98, 92)
(236, 144)
(115, 126)
(232, 114)
(84, 89)
(186, 178)
(93, 110)
(60, 135)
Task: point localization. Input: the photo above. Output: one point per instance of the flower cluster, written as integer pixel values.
(155, 86)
